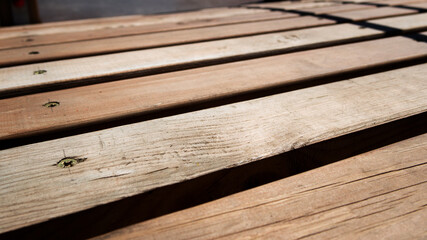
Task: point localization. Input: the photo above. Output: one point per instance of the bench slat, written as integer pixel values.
(25, 115)
(146, 24)
(131, 159)
(81, 70)
(108, 45)
(379, 194)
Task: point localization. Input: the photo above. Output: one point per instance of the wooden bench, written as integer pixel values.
(273, 120)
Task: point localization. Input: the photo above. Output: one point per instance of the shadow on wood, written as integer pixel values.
(108, 217)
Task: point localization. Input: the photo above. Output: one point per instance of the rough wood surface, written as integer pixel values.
(33, 54)
(127, 160)
(148, 24)
(366, 14)
(394, 2)
(150, 40)
(418, 5)
(294, 5)
(386, 2)
(160, 59)
(381, 194)
(25, 115)
(338, 8)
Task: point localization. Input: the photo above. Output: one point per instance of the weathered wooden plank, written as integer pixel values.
(311, 6)
(150, 40)
(338, 8)
(395, 2)
(366, 14)
(375, 195)
(33, 54)
(26, 115)
(386, 2)
(149, 24)
(135, 158)
(32, 76)
(293, 5)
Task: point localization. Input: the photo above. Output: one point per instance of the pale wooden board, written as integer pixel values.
(150, 40)
(338, 8)
(150, 24)
(14, 78)
(395, 2)
(107, 45)
(25, 115)
(388, 2)
(401, 22)
(77, 49)
(311, 6)
(381, 194)
(366, 14)
(294, 5)
(131, 159)
(418, 5)
(75, 70)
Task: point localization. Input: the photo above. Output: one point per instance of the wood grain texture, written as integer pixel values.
(387, 2)
(160, 59)
(338, 8)
(422, 5)
(149, 24)
(366, 14)
(381, 194)
(23, 55)
(287, 5)
(150, 40)
(395, 2)
(25, 115)
(135, 158)
(73, 70)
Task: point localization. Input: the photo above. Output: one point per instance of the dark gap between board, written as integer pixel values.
(105, 218)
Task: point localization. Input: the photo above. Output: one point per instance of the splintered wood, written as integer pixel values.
(95, 111)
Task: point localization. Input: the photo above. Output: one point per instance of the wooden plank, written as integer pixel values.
(387, 2)
(396, 2)
(293, 5)
(375, 195)
(362, 15)
(131, 159)
(400, 22)
(27, 55)
(338, 8)
(21, 78)
(157, 23)
(150, 40)
(25, 115)
(21, 28)
(418, 5)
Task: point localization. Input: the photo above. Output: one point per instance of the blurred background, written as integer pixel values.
(18, 12)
